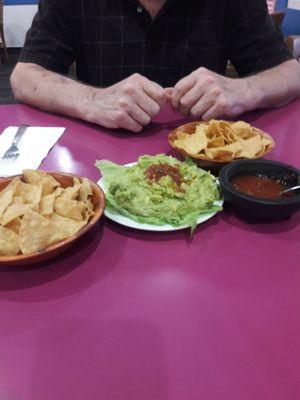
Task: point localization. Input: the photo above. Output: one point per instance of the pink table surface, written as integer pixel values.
(127, 315)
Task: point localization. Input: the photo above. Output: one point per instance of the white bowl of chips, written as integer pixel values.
(216, 143)
(42, 214)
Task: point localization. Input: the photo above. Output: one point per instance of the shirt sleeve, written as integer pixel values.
(50, 42)
(255, 42)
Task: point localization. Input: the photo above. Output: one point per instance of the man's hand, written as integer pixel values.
(205, 94)
(129, 104)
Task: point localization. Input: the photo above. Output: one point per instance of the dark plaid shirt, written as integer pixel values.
(112, 39)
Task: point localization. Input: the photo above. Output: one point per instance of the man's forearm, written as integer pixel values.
(50, 91)
(274, 87)
(129, 104)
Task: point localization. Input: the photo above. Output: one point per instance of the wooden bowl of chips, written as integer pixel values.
(216, 143)
(42, 214)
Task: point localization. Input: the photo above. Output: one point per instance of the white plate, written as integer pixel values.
(130, 223)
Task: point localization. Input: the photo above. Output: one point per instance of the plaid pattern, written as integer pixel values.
(112, 39)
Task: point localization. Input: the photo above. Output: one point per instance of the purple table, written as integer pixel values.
(132, 315)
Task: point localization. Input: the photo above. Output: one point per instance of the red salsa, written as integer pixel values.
(156, 171)
(260, 186)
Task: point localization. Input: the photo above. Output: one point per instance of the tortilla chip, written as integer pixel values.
(58, 191)
(37, 233)
(70, 192)
(39, 177)
(49, 184)
(9, 242)
(217, 142)
(88, 213)
(71, 226)
(251, 147)
(266, 143)
(226, 153)
(89, 204)
(85, 191)
(229, 136)
(18, 200)
(192, 143)
(34, 176)
(14, 225)
(31, 194)
(6, 198)
(12, 185)
(68, 208)
(242, 129)
(213, 130)
(13, 211)
(47, 204)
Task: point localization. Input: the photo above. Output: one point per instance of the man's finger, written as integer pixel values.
(212, 112)
(180, 89)
(125, 121)
(169, 93)
(202, 107)
(147, 104)
(190, 99)
(139, 115)
(155, 91)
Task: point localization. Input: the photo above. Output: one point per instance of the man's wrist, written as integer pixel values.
(253, 93)
(87, 103)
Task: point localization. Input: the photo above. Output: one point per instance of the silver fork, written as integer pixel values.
(13, 152)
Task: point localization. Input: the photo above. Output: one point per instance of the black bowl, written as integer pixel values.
(253, 208)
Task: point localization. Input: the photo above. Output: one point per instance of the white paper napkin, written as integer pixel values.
(34, 146)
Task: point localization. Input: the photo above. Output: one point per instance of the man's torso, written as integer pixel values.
(111, 40)
(115, 41)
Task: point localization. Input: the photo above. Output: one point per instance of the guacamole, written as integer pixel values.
(160, 190)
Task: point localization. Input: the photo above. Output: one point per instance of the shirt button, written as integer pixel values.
(139, 9)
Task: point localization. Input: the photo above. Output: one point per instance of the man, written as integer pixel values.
(133, 56)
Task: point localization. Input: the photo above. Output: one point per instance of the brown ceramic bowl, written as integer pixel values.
(202, 160)
(66, 180)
